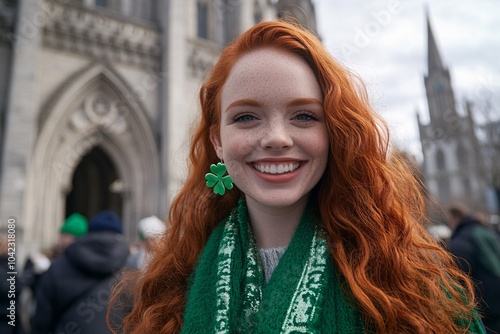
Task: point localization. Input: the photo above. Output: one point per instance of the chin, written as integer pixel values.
(279, 200)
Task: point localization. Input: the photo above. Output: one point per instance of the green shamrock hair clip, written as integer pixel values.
(217, 180)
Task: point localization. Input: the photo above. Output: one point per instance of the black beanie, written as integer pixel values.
(106, 221)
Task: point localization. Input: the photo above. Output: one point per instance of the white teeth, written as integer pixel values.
(277, 169)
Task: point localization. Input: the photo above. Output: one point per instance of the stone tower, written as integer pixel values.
(452, 162)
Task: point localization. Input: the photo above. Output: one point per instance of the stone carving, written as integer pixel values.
(100, 35)
(202, 57)
(98, 109)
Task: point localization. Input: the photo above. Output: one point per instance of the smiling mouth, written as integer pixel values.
(280, 168)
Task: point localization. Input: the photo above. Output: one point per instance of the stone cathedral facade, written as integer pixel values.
(97, 101)
(453, 165)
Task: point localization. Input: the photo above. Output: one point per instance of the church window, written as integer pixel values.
(438, 87)
(257, 13)
(461, 155)
(440, 160)
(229, 18)
(202, 20)
(101, 3)
(444, 189)
(143, 9)
(467, 185)
(440, 98)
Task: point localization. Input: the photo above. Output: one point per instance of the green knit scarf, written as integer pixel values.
(228, 293)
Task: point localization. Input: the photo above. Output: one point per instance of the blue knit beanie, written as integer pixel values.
(106, 221)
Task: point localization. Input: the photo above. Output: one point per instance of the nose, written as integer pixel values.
(276, 136)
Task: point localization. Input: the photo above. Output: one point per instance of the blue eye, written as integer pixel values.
(244, 118)
(305, 116)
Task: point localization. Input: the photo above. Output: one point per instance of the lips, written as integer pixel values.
(277, 171)
(276, 168)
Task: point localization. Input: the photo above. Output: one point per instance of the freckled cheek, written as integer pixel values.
(319, 147)
(235, 164)
(235, 146)
(236, 153)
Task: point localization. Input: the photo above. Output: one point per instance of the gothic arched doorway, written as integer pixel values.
(95, 186)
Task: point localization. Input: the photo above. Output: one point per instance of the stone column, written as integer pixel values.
(173, 113)
(21, 112)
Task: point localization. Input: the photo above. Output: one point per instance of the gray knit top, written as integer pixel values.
(270, 258)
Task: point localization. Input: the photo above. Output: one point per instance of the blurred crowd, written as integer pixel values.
(66, 289)
(475, 242)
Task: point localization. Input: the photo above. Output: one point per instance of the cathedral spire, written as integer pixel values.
(434, 61)
(440, 96)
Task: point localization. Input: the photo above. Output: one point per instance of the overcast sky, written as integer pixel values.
(385, 42)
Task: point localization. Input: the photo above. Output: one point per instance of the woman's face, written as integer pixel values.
(273, 136)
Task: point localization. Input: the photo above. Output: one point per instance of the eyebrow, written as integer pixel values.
(294, 103)
(244, 103)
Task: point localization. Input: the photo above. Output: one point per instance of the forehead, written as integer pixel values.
(268, 73)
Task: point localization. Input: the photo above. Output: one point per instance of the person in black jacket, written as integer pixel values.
(73, 294)
(9, 286)
(477, 248)
(74, 226)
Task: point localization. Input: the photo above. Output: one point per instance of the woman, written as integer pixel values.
(321, 232)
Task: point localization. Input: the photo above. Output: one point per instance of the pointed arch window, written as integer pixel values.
(444, 190)
(440, 160)
(202, 8)
(467, 185)
(257, 12)
(143, 9)
(109, 4)
(440, 97)
(461, 155)
(101, 3)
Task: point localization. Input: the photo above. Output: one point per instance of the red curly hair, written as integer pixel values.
(371, 207)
